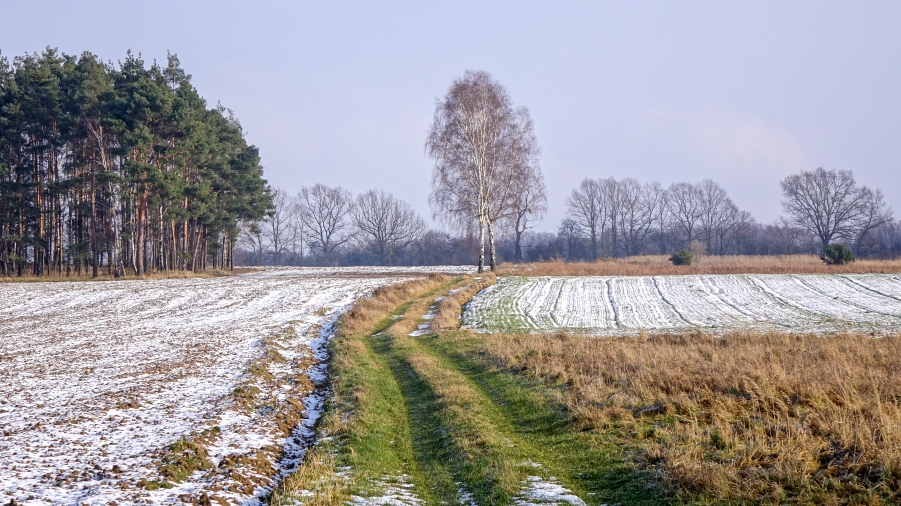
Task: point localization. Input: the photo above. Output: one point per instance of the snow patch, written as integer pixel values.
(540, 491)
(396, 492)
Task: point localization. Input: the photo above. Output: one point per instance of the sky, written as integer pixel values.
(343, 93)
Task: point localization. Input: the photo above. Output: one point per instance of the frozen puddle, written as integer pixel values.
(613, 305)
(100, 377)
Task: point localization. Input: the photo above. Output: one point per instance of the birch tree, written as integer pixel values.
(524, 201)
(478, 142)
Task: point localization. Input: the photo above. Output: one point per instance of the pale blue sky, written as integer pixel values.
(343, 92)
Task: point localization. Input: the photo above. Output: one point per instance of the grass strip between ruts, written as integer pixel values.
(426, 412)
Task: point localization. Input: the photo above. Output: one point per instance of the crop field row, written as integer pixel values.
(613, 305)
(101, 380)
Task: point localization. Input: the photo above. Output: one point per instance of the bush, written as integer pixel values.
(684, 257)
(838, 254)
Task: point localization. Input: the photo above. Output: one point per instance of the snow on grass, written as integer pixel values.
(545, 491)
(610, 305)
(396, 491)
(424, 328)
(100, 377)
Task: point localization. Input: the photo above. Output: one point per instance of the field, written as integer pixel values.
(624, 305)
(155, 390)
(704, 389)
(424, 413)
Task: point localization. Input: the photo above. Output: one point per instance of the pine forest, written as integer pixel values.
(114, 168)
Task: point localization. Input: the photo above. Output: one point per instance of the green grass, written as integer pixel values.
(430, 410)
(590, 464)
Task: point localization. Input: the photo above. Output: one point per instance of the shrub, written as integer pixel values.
(683, 257)
(838, 254)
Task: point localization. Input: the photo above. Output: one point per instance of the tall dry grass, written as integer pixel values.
(763, 418)
(368, 311)
(731, 264)
(450, 309)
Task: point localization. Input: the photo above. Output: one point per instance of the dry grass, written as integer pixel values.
(316, 477)
(368, 311)
(450, 309)
(480, 445)
(731, 264)
(766, 418)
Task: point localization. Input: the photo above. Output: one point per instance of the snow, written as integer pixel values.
(613, 305)
(424, 328)
(99, 377)
(545, 491)
(396, 491)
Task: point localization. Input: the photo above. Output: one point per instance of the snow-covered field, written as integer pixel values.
(605, 305)
(98, 378)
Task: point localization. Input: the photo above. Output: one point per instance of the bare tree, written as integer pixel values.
(874, 212)
(572, 233)
(785, 236)
(293, 236)
(637, 209)
(713, 211)
(324, 215)
(587, 206)
(386, 224)
(277, 223)
(520, 197)
(479, 143)
(610, 189)
(251, 236)
(732, 226)
(683, 203)
(527, 205)
(827, 203)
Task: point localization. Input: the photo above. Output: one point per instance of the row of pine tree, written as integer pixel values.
(118, 168)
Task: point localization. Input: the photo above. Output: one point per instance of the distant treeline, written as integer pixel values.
(118, 168)
(605, 218)
(437, 247)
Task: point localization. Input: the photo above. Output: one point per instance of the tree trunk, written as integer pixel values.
(491, 245)
(481, 248)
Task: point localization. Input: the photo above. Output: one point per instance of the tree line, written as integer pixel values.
(488, 189)
(622, 218)
(118, 168)
(324, 225)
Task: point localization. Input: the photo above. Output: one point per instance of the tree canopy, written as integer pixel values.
(118, 166)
